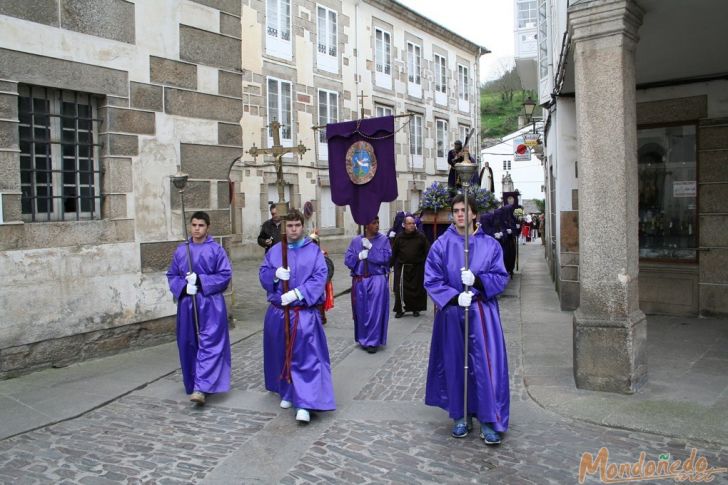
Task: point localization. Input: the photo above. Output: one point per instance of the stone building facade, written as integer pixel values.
(101, 102)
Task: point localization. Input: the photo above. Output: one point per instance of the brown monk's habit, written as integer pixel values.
(409, 252)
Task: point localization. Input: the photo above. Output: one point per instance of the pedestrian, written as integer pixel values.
(204, 352)
(525, 233)
(328, 303)
(270, 231)
(300, 373)
(408, 258)
(445, 281)
(368, 258)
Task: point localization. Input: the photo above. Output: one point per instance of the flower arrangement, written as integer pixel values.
(436, 197)
(485, 201)
(518, 213)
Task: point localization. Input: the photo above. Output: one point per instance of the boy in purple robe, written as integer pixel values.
(301, 373)
(204, 358)
(368, 259)
(486, 278)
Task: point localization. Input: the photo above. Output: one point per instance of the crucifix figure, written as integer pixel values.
(278, 150)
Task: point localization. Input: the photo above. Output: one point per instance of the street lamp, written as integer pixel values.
(529, 105)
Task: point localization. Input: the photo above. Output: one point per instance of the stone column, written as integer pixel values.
(609, 328)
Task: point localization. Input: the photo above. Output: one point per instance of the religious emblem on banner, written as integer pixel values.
(361, 162)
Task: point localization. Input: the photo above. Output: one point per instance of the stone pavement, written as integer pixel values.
(125, 419)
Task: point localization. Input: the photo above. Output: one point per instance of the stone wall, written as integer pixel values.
(167, 76)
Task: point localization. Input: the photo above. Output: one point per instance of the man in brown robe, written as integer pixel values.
(409, 252)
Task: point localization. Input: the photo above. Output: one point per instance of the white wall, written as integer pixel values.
(527, 175)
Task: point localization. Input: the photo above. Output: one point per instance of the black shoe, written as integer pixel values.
(399, 315)
(415, 314)
(372, 350)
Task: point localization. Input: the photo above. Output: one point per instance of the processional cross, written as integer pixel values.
(278, 150)
(361, 102)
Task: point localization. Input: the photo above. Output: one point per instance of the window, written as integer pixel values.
(440, 74)
(382, 56)
(506, 164)
(414, 70)
(382, 110)
(443, 145)
(278, 28)
(415, 137)
(328, 108)
(59, 155)
(463, 131)
(279, 109)
(414, 62)
(463, 88)
(327, 57)
(667, 193)
(542, 38)
(526, 13)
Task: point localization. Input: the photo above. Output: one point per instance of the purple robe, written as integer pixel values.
(311, 386)
(487, 223)
(370, 290)
(488, 393)
(205, 366)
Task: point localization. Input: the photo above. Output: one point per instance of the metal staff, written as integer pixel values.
(465, 170)
(282, 211)
(180, 181)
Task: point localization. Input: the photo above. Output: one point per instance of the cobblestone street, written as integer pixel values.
(381, 432)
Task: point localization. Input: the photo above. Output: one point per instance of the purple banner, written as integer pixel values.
(361, 165)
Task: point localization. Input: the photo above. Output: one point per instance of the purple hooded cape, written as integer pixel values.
(488, 392)
(487, 223)
(508, 241)
(370, 290)
(311, 386)
(205, 367)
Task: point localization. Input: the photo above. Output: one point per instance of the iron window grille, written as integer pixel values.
(59, 155)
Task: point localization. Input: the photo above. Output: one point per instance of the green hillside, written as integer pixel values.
(499, 111)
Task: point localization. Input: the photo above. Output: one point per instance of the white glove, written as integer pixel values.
(465, 298)
(518, 226)
(392, 234)
(366, 244)
(509, 231)
(363, 254)
(191, 278)
(467, 277)
(288, 297)
(498, 235)
(283, 274)
(191, 289)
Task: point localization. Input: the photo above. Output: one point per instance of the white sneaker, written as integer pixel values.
(286, 404)
(303, 416)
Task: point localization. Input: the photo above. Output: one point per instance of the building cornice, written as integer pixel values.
(405, 13)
